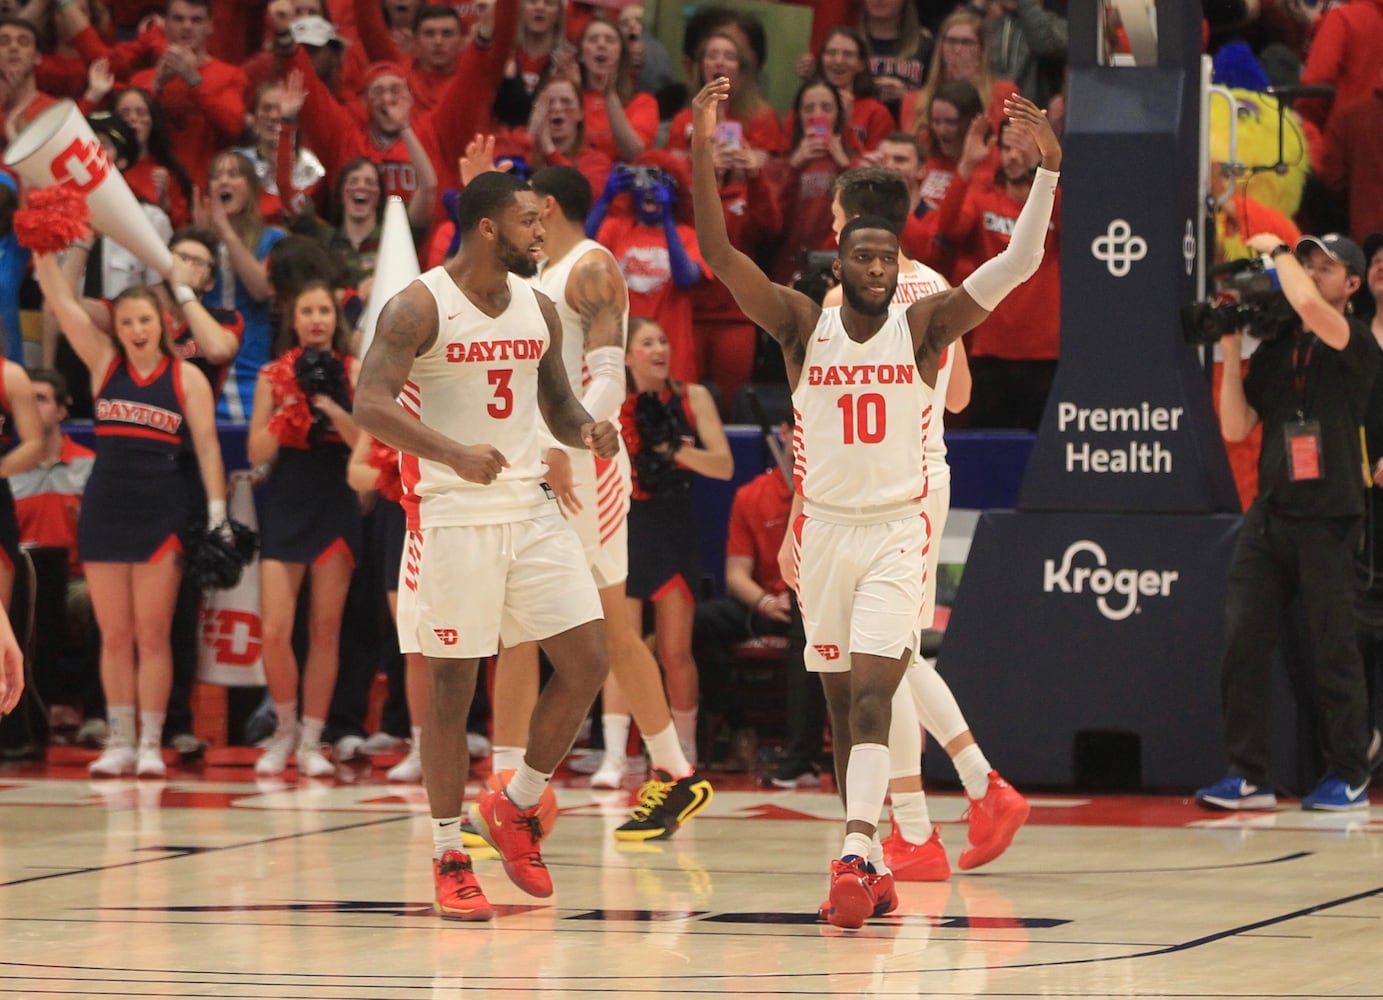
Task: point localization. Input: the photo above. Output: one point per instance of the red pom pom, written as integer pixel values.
(52, 219)
(386, 460)
(292, 417)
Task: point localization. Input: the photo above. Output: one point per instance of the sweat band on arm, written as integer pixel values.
(215, 512)
(605, 393)
(1002, 273)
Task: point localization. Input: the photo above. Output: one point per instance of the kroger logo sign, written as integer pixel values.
(1116, 591)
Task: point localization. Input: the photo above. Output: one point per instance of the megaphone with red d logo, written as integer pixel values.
(59, 147)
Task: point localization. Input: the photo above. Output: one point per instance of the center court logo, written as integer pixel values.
(1108, 585)
(1118, 248)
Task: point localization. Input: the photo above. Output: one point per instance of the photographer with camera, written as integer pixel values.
(1309, 388)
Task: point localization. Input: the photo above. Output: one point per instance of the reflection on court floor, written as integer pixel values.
(213, 885)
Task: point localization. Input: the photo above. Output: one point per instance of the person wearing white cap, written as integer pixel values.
(1309, 387)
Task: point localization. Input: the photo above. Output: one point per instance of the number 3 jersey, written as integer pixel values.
(862, 415)
(478, 384)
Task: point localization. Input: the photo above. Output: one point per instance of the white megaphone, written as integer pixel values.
(58, 147)
(396, 265)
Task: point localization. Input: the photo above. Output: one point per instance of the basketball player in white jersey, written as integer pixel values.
(863, 382)
(584, 281)
(913, 849)
(465, 367)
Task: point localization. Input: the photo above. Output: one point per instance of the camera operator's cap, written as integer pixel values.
(316, 30)
(1337, 248)
(1372, 244)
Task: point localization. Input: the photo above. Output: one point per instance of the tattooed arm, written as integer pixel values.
(597, 293)
(408, 327)
(568, 420)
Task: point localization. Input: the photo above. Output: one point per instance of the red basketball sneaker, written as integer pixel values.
(516, 834)
(916, 862)
(852, 896)
(457, 893)
(547, 802)
(885, 898)
(994, 820)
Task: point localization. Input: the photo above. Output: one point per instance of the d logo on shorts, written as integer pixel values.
(447, 636)
(827, 651)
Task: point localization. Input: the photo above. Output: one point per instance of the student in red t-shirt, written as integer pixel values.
(820, 153)
(755, 131)
(1013, 353)
(844, 63)
(20, 99)
(439, 36)
(619, 122)
(202, 97)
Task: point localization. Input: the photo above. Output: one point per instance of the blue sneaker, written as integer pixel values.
(1233, 792)
(1334, 794)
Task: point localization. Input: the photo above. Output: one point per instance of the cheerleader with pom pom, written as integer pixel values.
(309, 518)
(154, 412)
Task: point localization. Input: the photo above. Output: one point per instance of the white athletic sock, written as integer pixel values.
(286, 712)
(876, 855)
(614, 727)
(150, 729)
(505, 758)
(856, 844)
(120, 720)
(973, 770)
(526, 786)
(936, 705)
(911, 817)
(311, 735)
(685, 722)
(665, 750)
(446, 836)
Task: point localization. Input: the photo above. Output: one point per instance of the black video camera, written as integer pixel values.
(1248, 297)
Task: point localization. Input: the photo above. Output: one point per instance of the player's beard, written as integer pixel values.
(517, 260)
(863, 307)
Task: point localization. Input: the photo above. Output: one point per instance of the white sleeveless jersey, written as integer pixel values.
(611, 478)
(862, 416)
(916, 284)
(478, 384)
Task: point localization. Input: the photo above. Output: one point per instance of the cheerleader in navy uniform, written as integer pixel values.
(21, 449)
(151, 408)
(673, 432)
(309, 517)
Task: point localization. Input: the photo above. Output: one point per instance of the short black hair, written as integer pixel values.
(429, 11)
(10, 21)
(874, 191)
(866, 222)
(55, 378)
(568, 187)
(197, 234)
(485, 197)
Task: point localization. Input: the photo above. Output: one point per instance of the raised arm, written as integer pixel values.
(784, 313)
(92, 345)
(596, 291)
(940, 319)
(407, 327)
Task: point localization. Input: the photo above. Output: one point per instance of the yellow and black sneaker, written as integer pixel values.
(664, 805)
